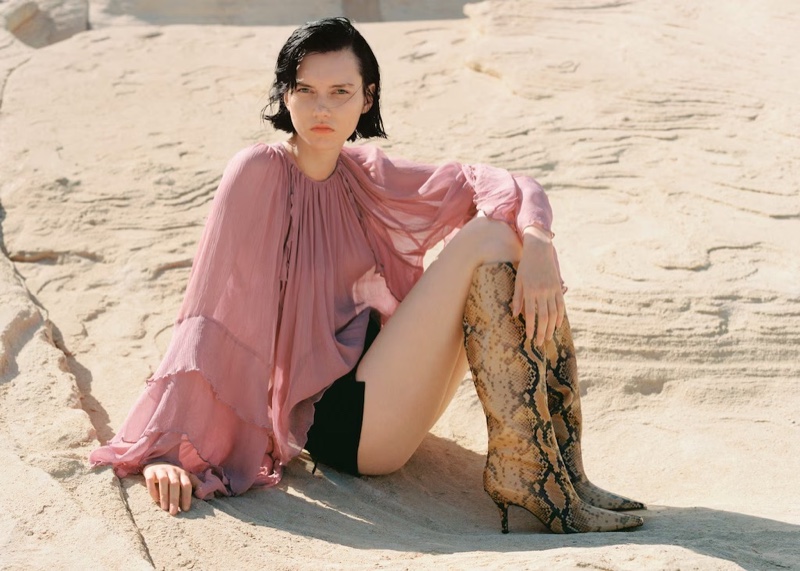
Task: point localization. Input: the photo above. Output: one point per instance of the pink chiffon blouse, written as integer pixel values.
(278, 300)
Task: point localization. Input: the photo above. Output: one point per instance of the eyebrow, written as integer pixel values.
(304, 84)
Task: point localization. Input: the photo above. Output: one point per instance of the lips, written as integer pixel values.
(322, 129)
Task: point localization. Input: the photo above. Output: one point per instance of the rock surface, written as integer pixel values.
(265, 12)
(44, 22)
(666, 136)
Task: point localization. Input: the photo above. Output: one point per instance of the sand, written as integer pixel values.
(666, 135)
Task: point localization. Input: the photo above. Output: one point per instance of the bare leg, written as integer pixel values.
(459, 372)
(412, 369)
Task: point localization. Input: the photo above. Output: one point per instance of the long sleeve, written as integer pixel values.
(410, 207)
(206, 406)
(516, 199)
(276, 306)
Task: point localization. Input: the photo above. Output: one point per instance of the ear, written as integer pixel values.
(369, 96)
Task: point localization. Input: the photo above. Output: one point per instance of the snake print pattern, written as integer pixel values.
(563, 395)
(523, 464)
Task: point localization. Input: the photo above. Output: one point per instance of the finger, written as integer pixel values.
(561, 308)
(186, 492)
(152, 487)
(530, 316)
(552, 313)
(174, 494)
(543, 319)
(516, 301)
(163, 490)
(194, 480)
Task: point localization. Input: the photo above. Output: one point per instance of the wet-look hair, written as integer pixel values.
(318, 37)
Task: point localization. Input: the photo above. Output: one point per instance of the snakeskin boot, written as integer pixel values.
(523, 466)
(564, 400)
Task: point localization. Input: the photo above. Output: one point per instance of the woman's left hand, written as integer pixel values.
(538, 286)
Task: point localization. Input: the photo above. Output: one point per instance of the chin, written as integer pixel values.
(326, 141)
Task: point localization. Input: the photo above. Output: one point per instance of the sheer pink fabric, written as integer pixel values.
(277, 303)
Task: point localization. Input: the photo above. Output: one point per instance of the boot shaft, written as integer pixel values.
(523, 466)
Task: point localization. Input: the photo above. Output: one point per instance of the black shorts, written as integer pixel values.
(333, 438)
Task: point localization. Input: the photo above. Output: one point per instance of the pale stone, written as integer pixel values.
(665, 134)
(44, 22)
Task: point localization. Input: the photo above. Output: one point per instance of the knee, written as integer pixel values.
(385, 462)
(383, 469)
(492, 240)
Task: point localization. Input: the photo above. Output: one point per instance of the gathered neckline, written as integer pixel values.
(293, 163)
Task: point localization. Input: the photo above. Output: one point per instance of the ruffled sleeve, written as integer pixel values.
(206, 407)
(410, 207)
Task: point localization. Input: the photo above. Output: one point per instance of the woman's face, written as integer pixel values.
(328, 100)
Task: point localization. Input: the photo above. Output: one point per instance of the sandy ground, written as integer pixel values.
(667, 137)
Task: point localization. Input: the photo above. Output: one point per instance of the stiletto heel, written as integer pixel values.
(523, 464)
(503, 515)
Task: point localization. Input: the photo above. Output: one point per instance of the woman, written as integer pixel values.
(284, 339)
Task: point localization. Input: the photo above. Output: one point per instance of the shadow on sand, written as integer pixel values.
(436, 505)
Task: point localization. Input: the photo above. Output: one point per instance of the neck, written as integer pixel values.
(316, 164)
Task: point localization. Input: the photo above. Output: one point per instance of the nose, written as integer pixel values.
(321, 107)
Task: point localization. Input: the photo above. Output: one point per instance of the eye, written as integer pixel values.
(302, 89)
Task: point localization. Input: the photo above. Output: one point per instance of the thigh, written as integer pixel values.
(409, 370)
(334, 437)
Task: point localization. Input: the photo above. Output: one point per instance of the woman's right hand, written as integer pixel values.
(170, 486)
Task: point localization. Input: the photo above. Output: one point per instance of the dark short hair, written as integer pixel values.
(324, 36)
